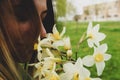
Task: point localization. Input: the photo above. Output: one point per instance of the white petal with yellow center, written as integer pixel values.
(56, 34)
(74, 71)
(94, 37)
(99, 57)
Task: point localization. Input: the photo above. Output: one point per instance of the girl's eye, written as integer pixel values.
(22, 13)
(43, 14)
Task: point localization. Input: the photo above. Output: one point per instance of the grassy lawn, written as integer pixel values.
(112, 30)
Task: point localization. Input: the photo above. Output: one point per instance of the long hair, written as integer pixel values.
(9, 18)
(9, 69)
(7, 65)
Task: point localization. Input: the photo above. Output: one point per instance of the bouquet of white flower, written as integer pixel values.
(55, 61)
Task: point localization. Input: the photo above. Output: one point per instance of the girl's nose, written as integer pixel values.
(42, 31)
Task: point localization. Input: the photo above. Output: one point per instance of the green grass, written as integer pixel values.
(112, 30)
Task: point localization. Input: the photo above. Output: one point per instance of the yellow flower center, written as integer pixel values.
(67, 47)
(99, 57)
(91, 36)
(56, 35)
(35, 46)
(87, 78)
(76, 76)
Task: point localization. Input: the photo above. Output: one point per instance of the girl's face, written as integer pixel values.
(41, 6)
(29, 33)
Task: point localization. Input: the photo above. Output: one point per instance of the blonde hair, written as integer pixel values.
(7, 61)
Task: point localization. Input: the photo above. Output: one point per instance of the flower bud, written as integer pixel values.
(69, 53)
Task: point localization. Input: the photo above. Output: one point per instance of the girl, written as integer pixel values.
(21, 22)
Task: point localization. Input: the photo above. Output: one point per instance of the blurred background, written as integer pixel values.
(87, 10)
(76, 14)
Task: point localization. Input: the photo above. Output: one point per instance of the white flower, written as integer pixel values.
(67, 44)
(55, 38)
(46, 70)
(43, 67)
(56, 35)
(46, 65)
(74, 71)
(94, 37)
(98, 58)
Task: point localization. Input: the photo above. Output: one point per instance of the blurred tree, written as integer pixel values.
(86, 12)
(70, 8)
(60, 12)
(76, 18)
(61, 8)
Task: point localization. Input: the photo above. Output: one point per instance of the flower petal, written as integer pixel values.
(54, 29)
(96, 28)
(100, 36)
(66, 76)
(45, 42)
(84, 72)
(97, 43)
(49, 52)
(56, 44)
(96, 79)
(89, 27)
(88, 60)
(67, 43)
(63, 31)
(101, 49)
(100, 67)
(107, 57)
(67, 67)
(39, 56)
(90, 43)
(79, 63)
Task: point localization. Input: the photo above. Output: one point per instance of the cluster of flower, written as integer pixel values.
(55, 56)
